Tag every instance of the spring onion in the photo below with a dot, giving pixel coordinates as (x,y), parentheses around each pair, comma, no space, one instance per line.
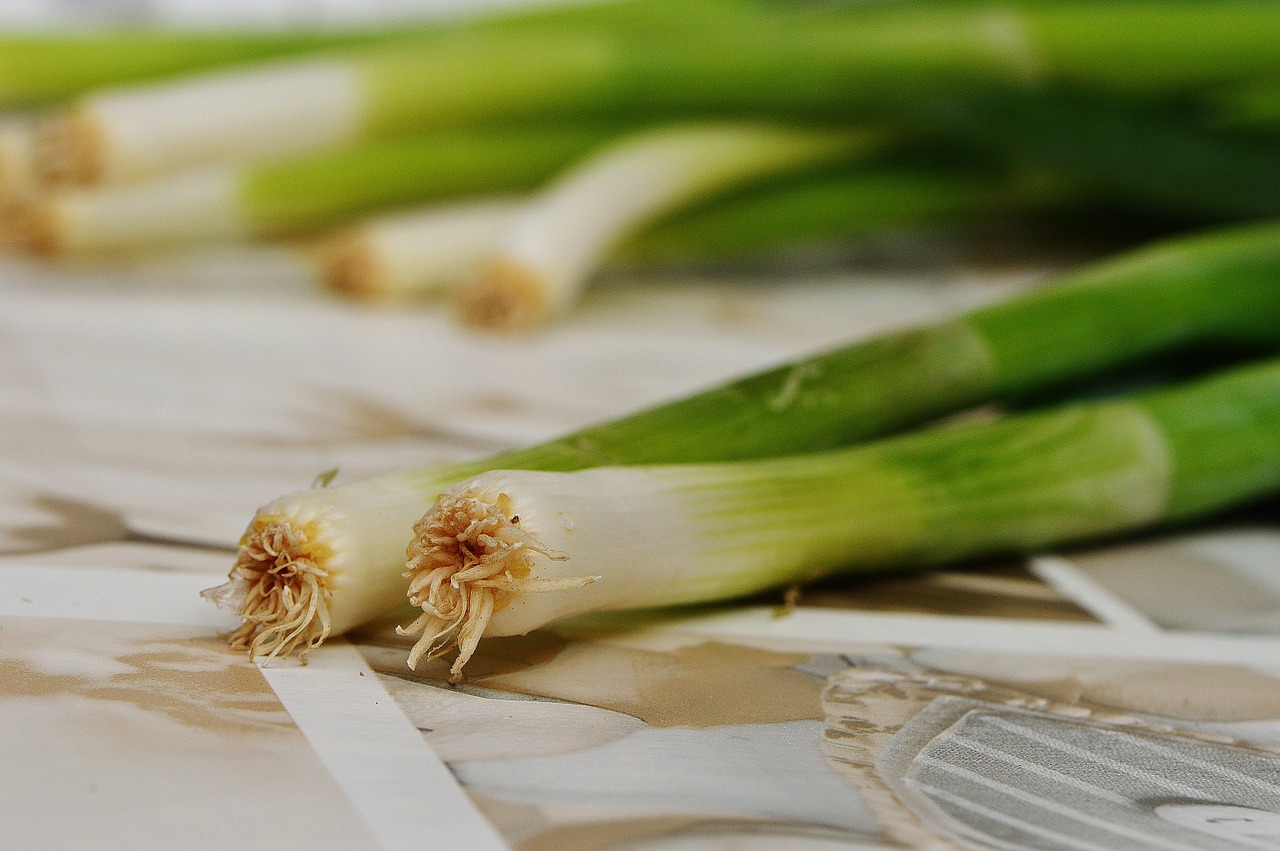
(322,561)
(564,233)
(520,64)
(839,207)
(509,551)
(747,59)
(433,250)
(295,196)
(1137,159)
(1254,107)
(423,251)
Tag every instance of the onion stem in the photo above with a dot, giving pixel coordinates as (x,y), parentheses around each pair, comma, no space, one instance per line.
(44,67)
(509,551)
(295,196)
(533,64)
(1125,156)
(750,59)
(324,561)
(425,251)
(434,250)
(564,233)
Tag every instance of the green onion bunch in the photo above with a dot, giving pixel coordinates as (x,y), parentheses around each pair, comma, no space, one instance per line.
(501,164)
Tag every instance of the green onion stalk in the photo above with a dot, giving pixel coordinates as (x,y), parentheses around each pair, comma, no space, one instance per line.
(509,551)
(757,59)
(1165,162)
(1253,107)
(560,237)
(45,67)
(323,561)
(522,65)
(295,196)
(432,250)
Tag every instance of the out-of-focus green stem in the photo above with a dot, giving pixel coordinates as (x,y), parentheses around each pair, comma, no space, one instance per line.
(837,208)
(300,195)
(1143,159)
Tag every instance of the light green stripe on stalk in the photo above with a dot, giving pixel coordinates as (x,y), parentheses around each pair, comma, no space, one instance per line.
(301,195)
(1130,45)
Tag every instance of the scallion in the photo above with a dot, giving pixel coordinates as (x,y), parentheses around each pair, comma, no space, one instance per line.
(433,250)
(428,250)
(44,67)
(512,550)
(531,64)
(295,196)
(1124,156)
(320,562)
(749,59)
(561,236)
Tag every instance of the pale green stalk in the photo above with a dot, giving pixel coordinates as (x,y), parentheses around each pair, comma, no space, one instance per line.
(320,562)
(839,207)
(433,250)
(509,551)
(523,63)
(748,58)
(424,251)
(1122,155)
(1252,106)
(562,235)
(295,196)
(44,67)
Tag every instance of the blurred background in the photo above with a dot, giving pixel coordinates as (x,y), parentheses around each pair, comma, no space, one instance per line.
(244,242)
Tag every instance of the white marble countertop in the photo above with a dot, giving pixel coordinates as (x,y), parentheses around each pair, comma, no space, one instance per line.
(146,412)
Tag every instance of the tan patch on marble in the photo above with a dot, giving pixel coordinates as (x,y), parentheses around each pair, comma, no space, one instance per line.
(604,835)
(996,591)
(496,404)
(1182,691)
(1218,693)
(707,685)
(513,820)
(704,685)
(494,657)
(196,682)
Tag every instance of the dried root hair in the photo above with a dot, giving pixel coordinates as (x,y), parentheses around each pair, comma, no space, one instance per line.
(279,588)
(468,558)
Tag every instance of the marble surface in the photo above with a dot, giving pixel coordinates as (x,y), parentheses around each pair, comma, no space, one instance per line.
(145,412)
